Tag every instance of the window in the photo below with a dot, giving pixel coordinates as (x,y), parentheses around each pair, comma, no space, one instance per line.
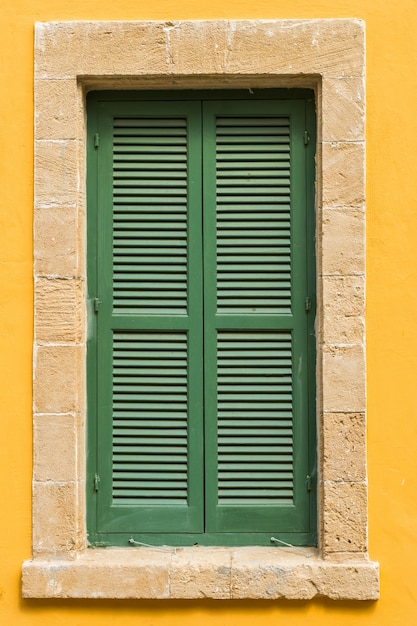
(71,59)
(201,364)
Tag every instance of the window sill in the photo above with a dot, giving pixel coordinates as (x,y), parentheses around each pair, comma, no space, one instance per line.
(200,572)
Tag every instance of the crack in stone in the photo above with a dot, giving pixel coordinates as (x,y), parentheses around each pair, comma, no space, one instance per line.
(169,26)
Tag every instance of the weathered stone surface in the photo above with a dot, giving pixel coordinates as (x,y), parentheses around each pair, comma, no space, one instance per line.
(287,47)
(290,47)
(57,109)
(343,174)
(343,387)
(57,384)
(56,180)
(116,573)
(343,318)
(343,241)
(344,447)
(56,233)
(59,309)
(54,517)
(66,49)
(200,573)
(189,46)
(257,573)
(55,448)
(343,100)
(345,529)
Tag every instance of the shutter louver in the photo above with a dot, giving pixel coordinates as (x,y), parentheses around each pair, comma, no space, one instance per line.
(253,215)
(150,418)
(255,451)
(150,215)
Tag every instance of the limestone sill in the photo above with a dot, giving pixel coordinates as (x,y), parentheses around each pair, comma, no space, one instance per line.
(201,572)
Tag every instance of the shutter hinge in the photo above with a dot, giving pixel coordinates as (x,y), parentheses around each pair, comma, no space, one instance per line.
(307,303)
(96,140)
(309,483)
(97,303)
(306,137)
(96,482)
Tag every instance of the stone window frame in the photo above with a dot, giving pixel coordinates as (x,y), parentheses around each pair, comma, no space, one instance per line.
(72,58)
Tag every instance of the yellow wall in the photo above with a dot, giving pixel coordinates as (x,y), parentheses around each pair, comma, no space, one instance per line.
(391,312)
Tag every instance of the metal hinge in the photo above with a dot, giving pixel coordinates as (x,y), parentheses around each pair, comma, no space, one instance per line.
(309,483)
(96,482)
(307,303)
(97,303)
(306,137)
(96,140)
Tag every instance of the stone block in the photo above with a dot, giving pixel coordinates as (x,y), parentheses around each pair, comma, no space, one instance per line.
(56,234)
(55,456)
(349,581)
(345,527)
(343,241)
(343,106)
(343,387)
(57,109)
(36,581)
(291,47)
(58,310)
(54,517)
(344,447)
(57,385)
(343,174)
(70,49)
(343,318)
(56,177)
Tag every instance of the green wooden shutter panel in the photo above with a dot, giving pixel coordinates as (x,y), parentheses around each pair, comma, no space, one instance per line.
(150,339)
(201,352)
(253,325)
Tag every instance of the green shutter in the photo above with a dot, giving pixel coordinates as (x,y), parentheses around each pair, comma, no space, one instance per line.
(149,319)
(201,347)
(255,319)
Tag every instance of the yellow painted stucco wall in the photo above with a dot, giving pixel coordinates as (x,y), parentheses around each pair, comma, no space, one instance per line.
(391,313)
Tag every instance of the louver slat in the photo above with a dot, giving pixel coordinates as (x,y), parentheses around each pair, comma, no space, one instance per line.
(253,214)
(149,215)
